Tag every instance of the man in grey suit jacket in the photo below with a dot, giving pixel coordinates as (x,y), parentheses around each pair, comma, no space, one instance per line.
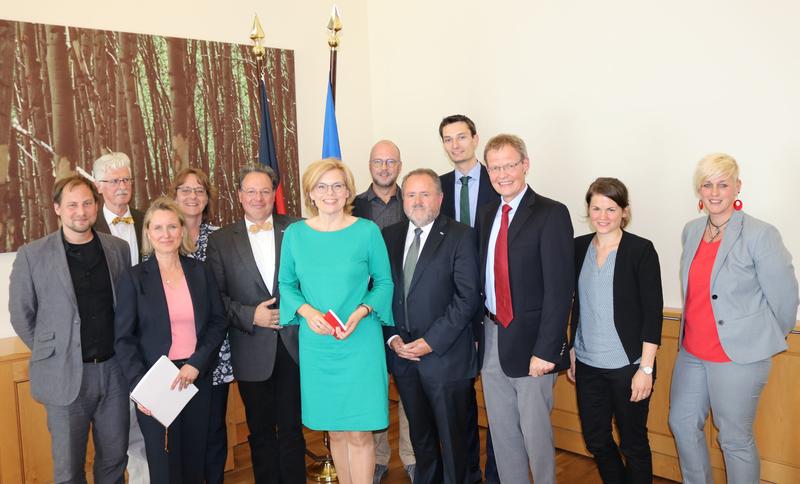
(245,258)
(62,306)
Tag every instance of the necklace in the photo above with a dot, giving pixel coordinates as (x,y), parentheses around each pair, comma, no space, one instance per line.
(717,228)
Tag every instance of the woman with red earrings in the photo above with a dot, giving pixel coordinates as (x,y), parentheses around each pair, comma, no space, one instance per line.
(740,299)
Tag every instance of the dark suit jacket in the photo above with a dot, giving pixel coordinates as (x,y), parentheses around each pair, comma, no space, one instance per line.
(44,313)
(541,272)
(138,219)
(486,192)
(638,300)
(442,300)
(242,288)
(142,325)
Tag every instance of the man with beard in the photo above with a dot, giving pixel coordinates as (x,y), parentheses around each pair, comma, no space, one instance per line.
(112,177)
(434,262)
(61,302)
(382,203)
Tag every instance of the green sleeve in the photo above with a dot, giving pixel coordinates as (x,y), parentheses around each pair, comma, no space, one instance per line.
(379,298)
(288,284)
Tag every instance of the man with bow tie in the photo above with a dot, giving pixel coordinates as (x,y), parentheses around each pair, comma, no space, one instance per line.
(112,177)
(245,257)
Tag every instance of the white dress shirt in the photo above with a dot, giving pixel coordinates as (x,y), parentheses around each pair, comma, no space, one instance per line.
(124,231)
(263,245)
(473,185)
(491,301)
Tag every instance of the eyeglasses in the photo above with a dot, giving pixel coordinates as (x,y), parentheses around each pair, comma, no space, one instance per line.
(253,193)
(322,188)
(186,191)
(116,181)
(500,168)
(390,163)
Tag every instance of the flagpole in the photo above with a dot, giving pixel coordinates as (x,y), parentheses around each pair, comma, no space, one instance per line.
(334,26)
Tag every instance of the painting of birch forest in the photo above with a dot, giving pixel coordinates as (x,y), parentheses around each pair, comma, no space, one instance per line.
(69,95)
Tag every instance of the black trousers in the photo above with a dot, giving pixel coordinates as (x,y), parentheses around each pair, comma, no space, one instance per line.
(438,420)
(603,394)
(186,440)
(272,408)
(217,445)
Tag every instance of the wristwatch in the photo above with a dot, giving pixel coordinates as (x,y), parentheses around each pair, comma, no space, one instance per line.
(647,370)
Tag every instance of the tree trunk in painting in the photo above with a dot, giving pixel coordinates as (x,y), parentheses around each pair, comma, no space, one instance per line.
(138,142)
(64,136)
(7,35)
(179,98)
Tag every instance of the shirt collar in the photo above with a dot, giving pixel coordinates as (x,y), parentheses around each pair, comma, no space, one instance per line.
(110,216)
(514,203)
(371,195)
(248,223)
(425,228)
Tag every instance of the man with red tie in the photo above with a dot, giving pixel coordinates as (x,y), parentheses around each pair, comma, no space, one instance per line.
(526,267)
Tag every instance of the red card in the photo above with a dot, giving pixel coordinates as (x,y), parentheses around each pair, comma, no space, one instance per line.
(334,322)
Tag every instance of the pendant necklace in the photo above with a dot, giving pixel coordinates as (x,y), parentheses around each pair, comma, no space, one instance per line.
(717,228)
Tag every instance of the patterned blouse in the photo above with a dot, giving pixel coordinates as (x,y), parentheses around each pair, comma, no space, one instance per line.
(223,372)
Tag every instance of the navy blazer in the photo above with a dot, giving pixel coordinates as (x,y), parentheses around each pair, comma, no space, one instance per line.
(443,298)
(541,271)
(638,299)
(142,327)
(486,192)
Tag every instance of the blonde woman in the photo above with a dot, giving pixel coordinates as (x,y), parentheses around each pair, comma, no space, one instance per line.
(326,264)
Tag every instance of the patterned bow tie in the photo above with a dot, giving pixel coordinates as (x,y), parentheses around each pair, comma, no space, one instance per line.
(125,220)
(256,228)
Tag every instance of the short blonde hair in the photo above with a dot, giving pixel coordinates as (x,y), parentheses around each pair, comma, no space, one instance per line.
(502,140)
(167,204)
(715,165)
(315,171)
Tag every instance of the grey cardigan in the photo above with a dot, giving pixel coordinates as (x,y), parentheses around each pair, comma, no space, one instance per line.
(754,292)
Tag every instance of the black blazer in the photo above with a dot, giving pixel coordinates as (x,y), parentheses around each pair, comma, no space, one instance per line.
(638,300)
(443,298)
(486,192)
(141,323)
(541,271)
(101,225)
(242,288)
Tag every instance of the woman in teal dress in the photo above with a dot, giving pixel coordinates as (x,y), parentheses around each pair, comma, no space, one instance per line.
(326,263)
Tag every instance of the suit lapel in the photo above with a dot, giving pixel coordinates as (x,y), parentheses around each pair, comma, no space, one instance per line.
(279,227)
(524,211)
(435,237)
(729,238)
(60,265)
(691,245)
(100,223)
(241,241)
(157,299)
(397,244)
(114,265)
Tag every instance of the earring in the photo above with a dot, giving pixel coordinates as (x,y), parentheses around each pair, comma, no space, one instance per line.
(737,204)
(700,206)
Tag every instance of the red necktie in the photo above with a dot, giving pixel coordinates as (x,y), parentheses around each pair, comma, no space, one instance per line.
(502,284)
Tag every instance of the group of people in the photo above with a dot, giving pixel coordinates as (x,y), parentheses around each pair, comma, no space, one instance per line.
(435,279)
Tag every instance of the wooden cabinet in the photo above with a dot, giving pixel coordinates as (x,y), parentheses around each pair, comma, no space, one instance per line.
(25,441)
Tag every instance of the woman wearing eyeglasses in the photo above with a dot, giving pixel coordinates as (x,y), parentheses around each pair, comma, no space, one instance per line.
(194,195)
(326,264)
(739,304)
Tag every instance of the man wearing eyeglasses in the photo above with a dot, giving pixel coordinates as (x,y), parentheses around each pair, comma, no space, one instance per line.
(112,177)
(382,203)
(245,257)
(526,254)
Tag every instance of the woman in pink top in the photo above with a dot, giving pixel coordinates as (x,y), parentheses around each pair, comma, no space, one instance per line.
(170,305)
(740,302)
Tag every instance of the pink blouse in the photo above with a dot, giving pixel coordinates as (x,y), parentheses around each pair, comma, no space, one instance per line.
(181,321)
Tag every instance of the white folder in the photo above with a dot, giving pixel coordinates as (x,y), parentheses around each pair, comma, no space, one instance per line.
(153,393)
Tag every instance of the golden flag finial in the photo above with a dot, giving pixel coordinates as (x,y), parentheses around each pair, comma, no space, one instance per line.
(334,26)
(257,36)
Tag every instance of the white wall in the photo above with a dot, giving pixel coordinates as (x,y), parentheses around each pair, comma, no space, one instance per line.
(635,89)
